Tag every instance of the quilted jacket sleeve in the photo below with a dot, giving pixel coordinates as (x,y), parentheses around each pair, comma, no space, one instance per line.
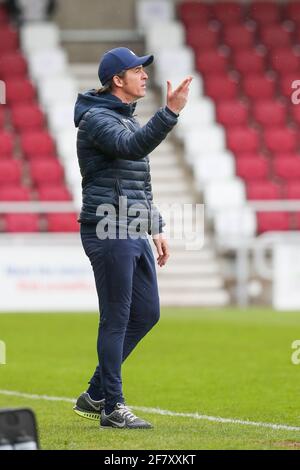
(157,222)
(114,139)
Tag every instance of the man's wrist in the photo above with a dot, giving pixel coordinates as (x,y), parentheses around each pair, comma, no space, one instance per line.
(171,111)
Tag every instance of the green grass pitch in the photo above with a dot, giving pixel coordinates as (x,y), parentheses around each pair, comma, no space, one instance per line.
(225,363)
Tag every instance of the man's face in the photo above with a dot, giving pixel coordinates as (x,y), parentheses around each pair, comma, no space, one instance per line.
(134,83)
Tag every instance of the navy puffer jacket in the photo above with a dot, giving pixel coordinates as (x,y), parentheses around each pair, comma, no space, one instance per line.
(113,151)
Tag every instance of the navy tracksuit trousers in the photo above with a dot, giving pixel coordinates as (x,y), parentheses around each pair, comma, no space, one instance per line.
(126,283)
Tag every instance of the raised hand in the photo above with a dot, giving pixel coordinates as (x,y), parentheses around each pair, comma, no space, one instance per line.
(177,99)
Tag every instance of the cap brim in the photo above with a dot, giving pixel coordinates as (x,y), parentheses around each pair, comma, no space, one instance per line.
(144,60)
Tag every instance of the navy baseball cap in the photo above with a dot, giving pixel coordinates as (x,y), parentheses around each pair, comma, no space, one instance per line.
(119,59)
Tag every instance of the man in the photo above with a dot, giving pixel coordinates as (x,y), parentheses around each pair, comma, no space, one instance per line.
(113,157)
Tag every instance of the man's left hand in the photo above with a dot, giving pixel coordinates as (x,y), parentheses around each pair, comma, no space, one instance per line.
(162,248)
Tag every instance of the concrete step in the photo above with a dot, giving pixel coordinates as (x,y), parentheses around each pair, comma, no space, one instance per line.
(174,173)
(218,298)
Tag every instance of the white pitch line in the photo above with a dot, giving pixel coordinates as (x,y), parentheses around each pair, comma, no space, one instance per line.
(158,411)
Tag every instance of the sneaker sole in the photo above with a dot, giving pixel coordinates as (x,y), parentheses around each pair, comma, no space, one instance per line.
(116,427)
(87,414)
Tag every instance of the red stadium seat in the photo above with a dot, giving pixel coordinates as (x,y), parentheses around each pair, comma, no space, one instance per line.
(281,139)
(9,40)
(2,118)
(296,220)
(292,11)
(270,113)
(193,12)
(264,12)
(202,37)
(14,193)
(12,65)
(292,190)
(258,86)
(287,168)
(65,222)
(286,85)
(27,117)
(285,60)
(21,222)
(3,16)
(275,35)
(227,12)
(221,87)
(232,113)
(243,139)
(295,113)
(249,61)
(46,172)
(239,36)
(6,144)
(273,221)
(252,168)
(10,172)
(54,193)
(19,91)
(37,143)
(263,190)
(212,61)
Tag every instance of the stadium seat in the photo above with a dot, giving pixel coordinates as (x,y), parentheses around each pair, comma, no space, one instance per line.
(296,220)
(285,60)
(273,221)
(179,60)
(197,113)
(213,167)
(224,195)
(295,114)
(60,117)
(38,36)
(21,222)
(193,12)
(10,172)
(206,140)
(221,87)
(54,193)
(270,113)
(248,61)
(27,117)
(47,63)
(227,12)
(211,62)
(3,16)
(169,34)
(9,40)
(252,168)
(202,36)
(275,35)
(62,89)
(19,90)
(286,84)
(292,11)
(6,144)
(232,113)
(37,143)
(46,172)
(263,190)
(281,139)
(14,193)
(64,222)
(150,11)
(264,12)
(287,168)
(12,65)
(239,36)
(257,86)
(233,224)
(243,139)
(292,190)
(2,118)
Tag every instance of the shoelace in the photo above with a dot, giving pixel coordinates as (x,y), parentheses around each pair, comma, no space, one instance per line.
(126,413)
